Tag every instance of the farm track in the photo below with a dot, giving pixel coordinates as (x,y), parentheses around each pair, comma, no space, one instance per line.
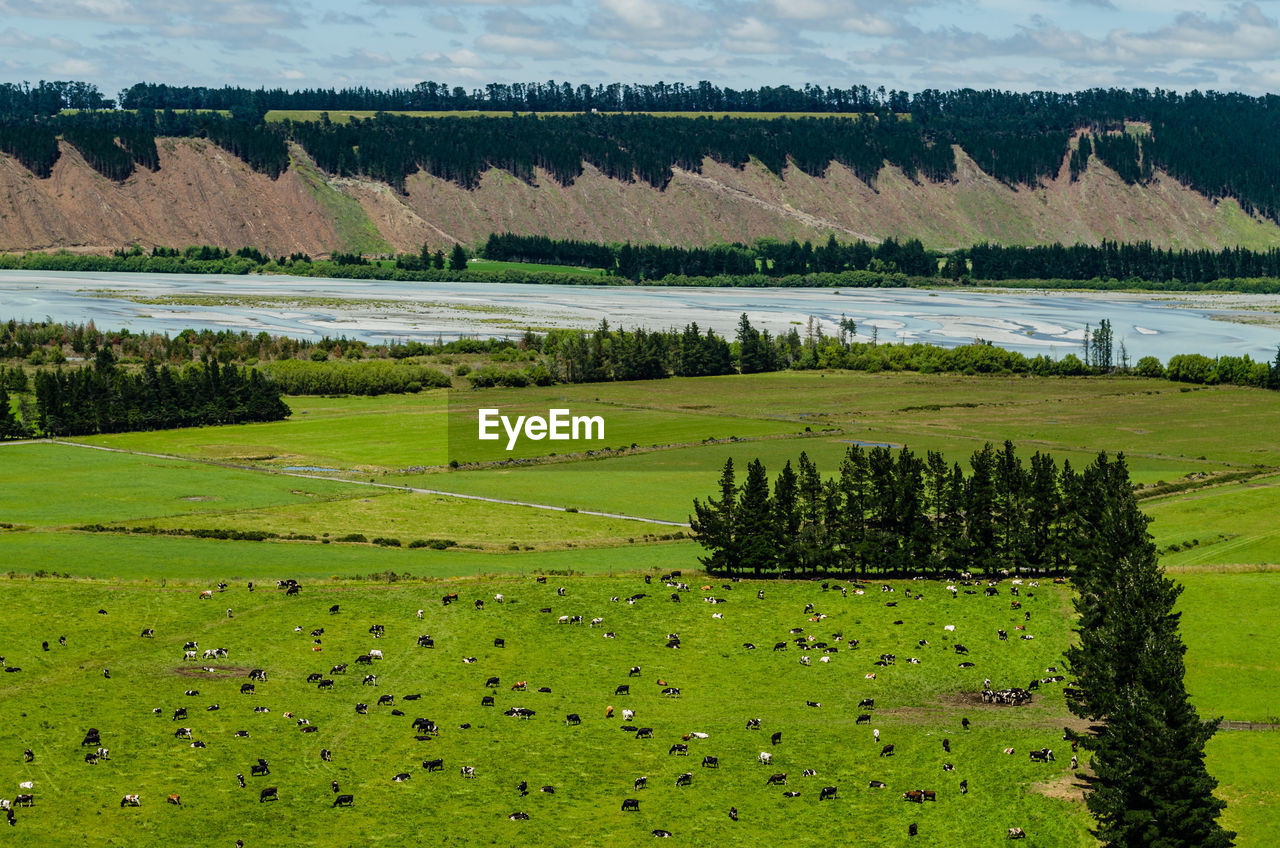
(371,484)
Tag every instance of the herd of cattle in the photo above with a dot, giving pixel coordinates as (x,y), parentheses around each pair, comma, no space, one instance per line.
(803,639)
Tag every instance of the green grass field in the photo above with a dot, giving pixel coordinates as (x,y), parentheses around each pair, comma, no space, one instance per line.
(1225,554)
(58,694)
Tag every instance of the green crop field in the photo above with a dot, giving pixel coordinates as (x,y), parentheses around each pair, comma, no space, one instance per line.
(58,694)
(1217,538)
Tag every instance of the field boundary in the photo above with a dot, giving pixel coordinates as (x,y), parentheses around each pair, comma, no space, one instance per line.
(1249,725)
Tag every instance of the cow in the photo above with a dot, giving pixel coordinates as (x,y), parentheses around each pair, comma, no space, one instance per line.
(433,765)
(401,777)
(628,715)
(710,762)
(827,792)
(914,795)
(176,800)
(246,688)
(147,633)
(367,659)
(779,779)
(369,680)
(375,654)
(182,733)
(780,646)
(631,804)
(241,734)
(809,773)
(126,801)
(640,783)
(188,655)
(929,795)
(1044,755)
(449,598)
(678,748)
(271,793)
(1016,833)
(753,724)
(362,709)
(671,692)
(327,683)
(876,784)
(660,833)
(912,829)
(260,769)
(572,718)
(964,787)
(946,745)
(314,676)
(486,700)
(622,689)
(518,816)
(886,751)
(425,641)
(91,758)
(308,728)
(468,772)
(685,779)
(864,718)
(868,703)
(775,738)
(765,758)
(644,733)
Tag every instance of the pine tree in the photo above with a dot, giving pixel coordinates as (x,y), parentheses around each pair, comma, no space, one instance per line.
(458,258)
(10,428)
(754,529)
(1150,787)
(714,524)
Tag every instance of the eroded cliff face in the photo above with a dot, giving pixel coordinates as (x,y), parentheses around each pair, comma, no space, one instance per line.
(203,195)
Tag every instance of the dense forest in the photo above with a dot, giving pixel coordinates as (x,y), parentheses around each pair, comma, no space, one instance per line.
(894,513)
(103,398)
(1220,144)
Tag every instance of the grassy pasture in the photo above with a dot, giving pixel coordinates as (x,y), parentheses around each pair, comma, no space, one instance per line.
(112,556)
(1230,625)
(58,694)
(408,516)
(1245,766)
(497,265)
(48,485)
(1229,522)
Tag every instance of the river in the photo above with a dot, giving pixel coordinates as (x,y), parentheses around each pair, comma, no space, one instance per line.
(376,311)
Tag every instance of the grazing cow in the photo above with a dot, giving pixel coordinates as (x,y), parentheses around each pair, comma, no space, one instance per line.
(314,676)
(520,686)
(912,829)
(964,722)
(518,816)
(468,772)
(790,794)
(780,646)
(660,833)
(966,665)
(369,680)
(827,792)
(678,748)
(206,594)
(671,691)
(186,655)
(362,709)
(644,733)
(91,758)
(269,794)
(869,703)
(572,718)
(241,734)
(864,718)
(486,700)
(192,692)
(433,765)
(809,773)
(914,795)
(948,767)
(148,633)
(1016,833)
(197,744)
(685,779)
(1044,755)
(246,688)
(628,715)
(176,800)
(1008,750)
(401,777)
(375,654)
(386,700)
(28,756)
(775,738)
(623,689)
(260,769)
(812,704)
(367,659)
(876,784)
(929,795)
(753,724)
(182,733)
(710,762)
(425,641)
(126,801)
(964,787)
(779,779)
(631,804)
(886,751)
(946,745)
(765,758)
(327,683)
(308,729)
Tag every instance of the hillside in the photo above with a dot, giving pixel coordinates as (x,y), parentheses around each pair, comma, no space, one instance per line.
(202,194)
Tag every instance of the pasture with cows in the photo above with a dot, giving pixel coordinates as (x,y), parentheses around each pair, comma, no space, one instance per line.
(141,537)
(808,691)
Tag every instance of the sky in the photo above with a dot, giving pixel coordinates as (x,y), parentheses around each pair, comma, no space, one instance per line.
(1060,45)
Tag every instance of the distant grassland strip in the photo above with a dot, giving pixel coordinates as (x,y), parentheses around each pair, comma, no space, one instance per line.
(356,233)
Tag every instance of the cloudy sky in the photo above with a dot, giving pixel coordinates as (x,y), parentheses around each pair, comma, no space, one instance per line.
(906,44)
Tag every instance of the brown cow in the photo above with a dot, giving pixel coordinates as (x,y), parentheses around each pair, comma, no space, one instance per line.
(176,800)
